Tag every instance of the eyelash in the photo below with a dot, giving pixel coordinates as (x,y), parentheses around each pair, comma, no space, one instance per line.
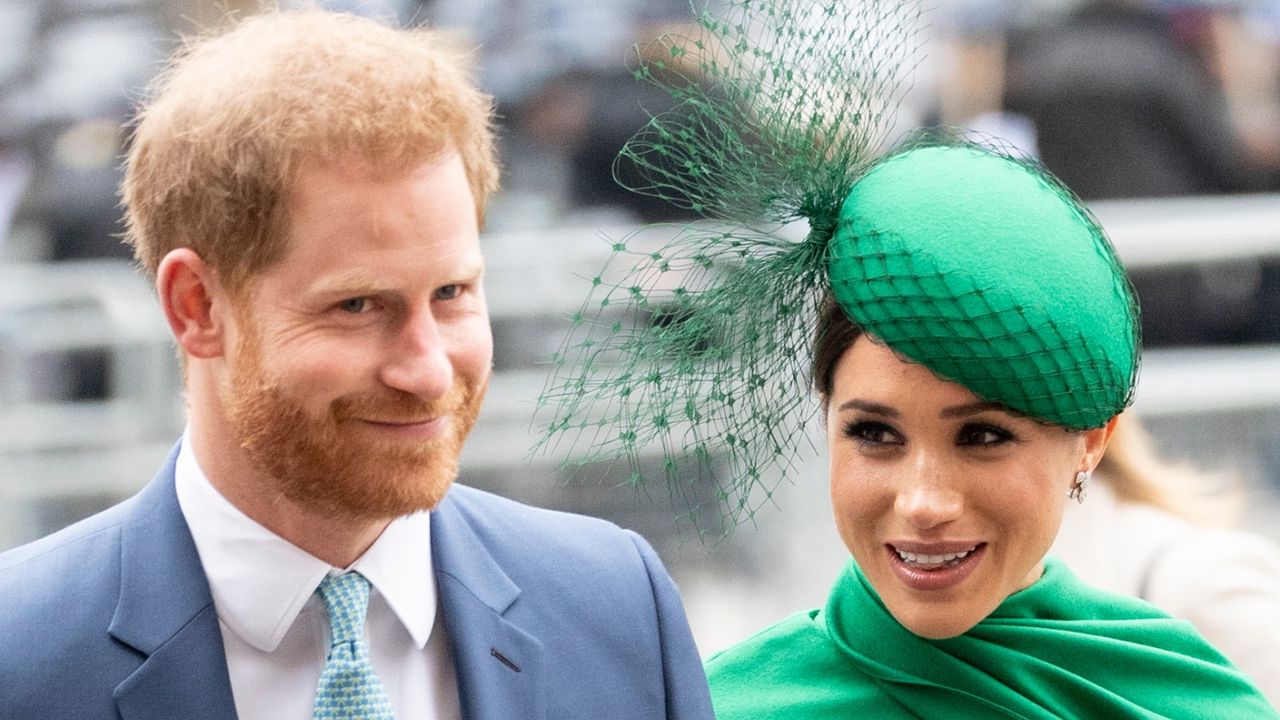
(448,292)
(862,432)
(458,289)
(871,434)
(1000,435)
(344,305)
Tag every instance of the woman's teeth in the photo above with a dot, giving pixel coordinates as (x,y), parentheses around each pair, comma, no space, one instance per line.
(944,559)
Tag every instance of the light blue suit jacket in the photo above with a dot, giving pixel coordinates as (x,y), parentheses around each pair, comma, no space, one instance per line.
(551,616)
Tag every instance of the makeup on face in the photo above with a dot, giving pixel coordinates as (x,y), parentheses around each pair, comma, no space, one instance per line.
(948,502)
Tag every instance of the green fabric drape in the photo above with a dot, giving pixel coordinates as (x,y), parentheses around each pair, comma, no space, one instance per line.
(1058,649)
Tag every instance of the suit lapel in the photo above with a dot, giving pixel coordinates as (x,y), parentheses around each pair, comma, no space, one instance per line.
(500,666)
(166,613)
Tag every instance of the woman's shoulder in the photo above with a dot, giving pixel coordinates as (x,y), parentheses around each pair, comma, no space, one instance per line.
(799,632)
(792,670)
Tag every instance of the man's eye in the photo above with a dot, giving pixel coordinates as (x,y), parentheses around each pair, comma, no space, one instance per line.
(354,305)
(448,292)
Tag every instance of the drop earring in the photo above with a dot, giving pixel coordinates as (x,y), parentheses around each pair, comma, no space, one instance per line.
(1080,487)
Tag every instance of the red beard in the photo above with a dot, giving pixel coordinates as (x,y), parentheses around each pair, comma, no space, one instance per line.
(334,468)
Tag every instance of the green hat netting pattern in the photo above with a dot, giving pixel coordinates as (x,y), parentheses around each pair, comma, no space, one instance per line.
(989,273)
(696,349)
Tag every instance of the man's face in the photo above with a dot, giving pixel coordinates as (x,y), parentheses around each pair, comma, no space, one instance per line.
(362,357)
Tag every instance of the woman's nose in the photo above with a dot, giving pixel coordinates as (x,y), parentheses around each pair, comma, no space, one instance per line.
(929,501)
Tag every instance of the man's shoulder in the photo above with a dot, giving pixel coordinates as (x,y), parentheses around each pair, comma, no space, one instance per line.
(540,543)
(60,590)
(494,513)
(78,546)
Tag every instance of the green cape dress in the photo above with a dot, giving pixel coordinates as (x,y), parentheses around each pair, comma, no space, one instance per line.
(1057,649)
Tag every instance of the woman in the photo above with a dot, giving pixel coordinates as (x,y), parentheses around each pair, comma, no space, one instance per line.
(949,498)
(979,339)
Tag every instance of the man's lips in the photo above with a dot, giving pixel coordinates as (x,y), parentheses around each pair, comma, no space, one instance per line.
(410,427)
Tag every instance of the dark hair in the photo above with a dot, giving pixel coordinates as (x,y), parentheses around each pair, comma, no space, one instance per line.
(835,335)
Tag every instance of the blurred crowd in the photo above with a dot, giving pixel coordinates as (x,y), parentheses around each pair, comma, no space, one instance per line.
(1121,98)
(1125,98)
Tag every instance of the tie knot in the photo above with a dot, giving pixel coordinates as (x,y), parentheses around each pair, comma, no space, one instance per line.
(346,599)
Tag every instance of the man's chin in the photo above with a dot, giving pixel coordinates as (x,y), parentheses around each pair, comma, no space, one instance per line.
(379,484)
(369,503)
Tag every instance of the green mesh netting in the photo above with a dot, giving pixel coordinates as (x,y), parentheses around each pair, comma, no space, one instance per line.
(697,349)
(987,271)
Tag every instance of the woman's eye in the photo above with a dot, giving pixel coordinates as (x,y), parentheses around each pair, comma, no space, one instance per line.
(872,433)
(448,292)
(354,305)
(983,435)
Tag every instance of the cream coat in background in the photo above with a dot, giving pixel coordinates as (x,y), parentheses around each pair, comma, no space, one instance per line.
(1226,582)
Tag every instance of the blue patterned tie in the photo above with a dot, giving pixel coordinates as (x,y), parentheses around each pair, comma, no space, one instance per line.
(348,689)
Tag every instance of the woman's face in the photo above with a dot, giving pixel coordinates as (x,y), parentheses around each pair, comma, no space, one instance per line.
(948,503)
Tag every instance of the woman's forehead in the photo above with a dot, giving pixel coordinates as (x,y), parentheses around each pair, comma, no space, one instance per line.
(873,369)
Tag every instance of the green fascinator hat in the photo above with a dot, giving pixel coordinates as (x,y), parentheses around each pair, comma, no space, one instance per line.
(690,358)
(991,274)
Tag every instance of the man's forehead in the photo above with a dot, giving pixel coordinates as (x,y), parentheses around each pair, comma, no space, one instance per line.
(370,164)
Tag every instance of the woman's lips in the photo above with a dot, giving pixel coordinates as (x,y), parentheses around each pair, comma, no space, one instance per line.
(934,566)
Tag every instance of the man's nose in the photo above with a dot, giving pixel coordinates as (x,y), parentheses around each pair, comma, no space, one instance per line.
(929,500)
(417,361)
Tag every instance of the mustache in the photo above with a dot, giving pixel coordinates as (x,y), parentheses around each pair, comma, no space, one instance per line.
(396,406)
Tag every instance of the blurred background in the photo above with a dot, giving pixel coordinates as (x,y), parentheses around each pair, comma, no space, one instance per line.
(1163,114)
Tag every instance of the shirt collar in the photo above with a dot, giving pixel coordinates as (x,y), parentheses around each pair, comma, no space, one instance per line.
(260,581)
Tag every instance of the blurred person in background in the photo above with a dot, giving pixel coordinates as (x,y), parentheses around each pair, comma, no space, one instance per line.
(1125,98)
(306,192)
(1121,109)
(566,98)
(15,168)
(72,71)
(1160,531)
(69,72)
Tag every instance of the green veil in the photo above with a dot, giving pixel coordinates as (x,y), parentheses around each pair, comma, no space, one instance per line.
(967,259)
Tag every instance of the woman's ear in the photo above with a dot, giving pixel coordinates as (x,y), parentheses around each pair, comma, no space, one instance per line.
(191,298)
(1095,444)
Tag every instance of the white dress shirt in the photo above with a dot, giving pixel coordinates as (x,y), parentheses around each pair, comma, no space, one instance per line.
(275,629)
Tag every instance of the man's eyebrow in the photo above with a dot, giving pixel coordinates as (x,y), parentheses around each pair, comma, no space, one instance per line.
(365,283)
(972,408)
(472,271)
(355,282)
(868,406)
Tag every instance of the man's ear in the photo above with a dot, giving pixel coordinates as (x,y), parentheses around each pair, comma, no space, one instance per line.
(1095,444)
(193,302)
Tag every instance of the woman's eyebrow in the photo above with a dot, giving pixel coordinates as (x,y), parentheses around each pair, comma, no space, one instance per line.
(972,408)
(868,406)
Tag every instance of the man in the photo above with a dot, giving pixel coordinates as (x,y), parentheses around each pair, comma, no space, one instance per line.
(306,191)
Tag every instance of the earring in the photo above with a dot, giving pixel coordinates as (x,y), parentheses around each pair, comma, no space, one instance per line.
(1080,487)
